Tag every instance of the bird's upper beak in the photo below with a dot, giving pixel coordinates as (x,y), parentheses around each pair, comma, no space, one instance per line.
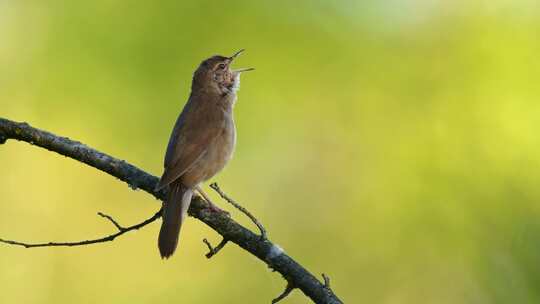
(236,55)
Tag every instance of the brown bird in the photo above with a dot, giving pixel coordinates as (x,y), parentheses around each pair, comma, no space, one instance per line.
(201,143)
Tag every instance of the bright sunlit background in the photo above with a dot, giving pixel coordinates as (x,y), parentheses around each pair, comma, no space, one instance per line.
(393,145)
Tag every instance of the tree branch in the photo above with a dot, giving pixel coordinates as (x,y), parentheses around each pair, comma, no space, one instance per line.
(229,229)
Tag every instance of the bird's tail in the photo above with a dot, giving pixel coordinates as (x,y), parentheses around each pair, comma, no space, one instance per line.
(175,208)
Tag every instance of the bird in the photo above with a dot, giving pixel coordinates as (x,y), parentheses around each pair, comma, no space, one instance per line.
(201,144)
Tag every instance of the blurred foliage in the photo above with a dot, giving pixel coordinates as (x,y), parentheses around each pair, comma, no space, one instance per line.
(390,144)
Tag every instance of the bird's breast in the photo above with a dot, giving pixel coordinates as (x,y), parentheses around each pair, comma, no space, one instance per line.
(221,150)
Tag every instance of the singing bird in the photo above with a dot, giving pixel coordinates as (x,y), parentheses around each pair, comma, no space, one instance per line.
(201,143)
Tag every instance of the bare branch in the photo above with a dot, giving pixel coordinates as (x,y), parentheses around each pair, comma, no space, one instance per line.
(228,228)
(214,250)
(108,238)
(242,209)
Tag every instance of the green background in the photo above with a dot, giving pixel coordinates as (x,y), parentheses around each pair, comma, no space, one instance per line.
(390,144)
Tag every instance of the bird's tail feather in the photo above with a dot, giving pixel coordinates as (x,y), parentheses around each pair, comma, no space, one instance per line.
(175,208)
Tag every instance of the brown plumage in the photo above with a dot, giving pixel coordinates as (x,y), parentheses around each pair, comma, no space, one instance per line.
(201,143)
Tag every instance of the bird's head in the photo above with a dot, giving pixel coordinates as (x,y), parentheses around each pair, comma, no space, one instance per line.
(214,75)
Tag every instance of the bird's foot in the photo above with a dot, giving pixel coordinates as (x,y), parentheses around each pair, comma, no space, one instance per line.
(212,207)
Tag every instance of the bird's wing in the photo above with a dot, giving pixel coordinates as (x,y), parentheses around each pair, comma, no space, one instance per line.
(188,143)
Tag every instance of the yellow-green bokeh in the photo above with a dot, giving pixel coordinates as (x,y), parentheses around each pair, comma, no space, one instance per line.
(393,145)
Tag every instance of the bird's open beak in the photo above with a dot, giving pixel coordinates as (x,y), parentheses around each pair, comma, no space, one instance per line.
(240,70)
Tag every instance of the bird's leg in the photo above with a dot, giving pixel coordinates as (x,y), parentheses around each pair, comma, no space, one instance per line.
(213,206)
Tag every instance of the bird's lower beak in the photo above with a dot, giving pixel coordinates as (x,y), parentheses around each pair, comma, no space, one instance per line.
(243,70)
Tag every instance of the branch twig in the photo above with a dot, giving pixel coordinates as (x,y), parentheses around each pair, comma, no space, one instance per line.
(242,209)
(113,221)
(265,250)
(108,238)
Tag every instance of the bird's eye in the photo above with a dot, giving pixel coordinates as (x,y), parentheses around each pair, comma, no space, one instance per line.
(221,66)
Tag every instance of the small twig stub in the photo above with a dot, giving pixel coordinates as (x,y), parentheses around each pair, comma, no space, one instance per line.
(326,281)
(214,250)
(288,289)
